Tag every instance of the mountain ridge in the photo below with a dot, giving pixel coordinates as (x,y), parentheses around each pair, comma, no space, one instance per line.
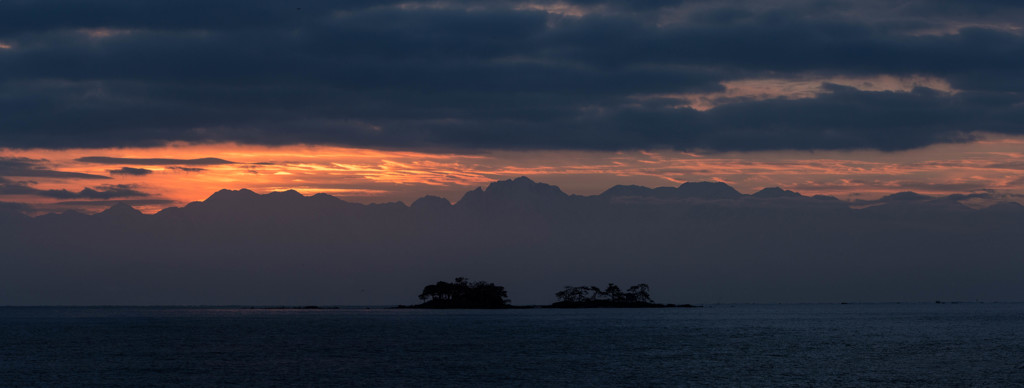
(241,247)
(523,194)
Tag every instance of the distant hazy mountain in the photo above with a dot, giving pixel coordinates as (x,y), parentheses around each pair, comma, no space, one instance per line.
(775,192)
(697,190)
(700,242)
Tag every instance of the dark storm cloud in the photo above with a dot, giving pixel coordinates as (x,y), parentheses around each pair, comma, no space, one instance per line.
(105,203)
(152,161)
(102,192)
(130,171)
(501,74)
(8,187)
(25,167)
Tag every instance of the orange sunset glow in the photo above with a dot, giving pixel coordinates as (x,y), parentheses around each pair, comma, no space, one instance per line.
(366,175)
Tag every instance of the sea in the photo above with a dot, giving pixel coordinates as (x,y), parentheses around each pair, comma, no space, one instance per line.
(787,345)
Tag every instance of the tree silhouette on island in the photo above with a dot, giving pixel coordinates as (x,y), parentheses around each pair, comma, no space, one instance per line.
(462,294)
(612,296)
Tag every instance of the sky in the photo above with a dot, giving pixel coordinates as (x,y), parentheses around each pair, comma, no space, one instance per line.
(161,103)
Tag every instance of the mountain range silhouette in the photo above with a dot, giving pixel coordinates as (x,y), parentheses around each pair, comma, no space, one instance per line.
(514,194)
(700,242)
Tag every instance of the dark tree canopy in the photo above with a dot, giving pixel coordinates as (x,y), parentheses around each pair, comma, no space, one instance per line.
(611,296)
(463,294)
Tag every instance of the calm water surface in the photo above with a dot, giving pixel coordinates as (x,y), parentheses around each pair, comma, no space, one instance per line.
(722,345)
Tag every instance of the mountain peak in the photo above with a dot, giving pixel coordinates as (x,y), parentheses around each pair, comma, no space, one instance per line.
(776,192)
(523,180)
(120,209)
(521,191)
(225,195)
(627,191)
(524,186)
(905,196)
(325,198)
(707,190)
(287,194)
(431,202)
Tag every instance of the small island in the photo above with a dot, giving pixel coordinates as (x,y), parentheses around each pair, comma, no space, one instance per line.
(463,294)
(612,296)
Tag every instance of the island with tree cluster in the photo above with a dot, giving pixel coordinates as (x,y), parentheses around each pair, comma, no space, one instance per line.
(463,294)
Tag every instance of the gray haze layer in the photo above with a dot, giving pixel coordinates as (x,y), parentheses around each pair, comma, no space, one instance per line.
(696,243)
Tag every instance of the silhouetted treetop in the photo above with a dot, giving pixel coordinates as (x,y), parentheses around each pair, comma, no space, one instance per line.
(463,294)
(612,296)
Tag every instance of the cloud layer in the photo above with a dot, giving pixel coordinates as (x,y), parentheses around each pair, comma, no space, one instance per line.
(100,192)
(152,161)
(508,74)
(27,167)
(377,176)
(130,171)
